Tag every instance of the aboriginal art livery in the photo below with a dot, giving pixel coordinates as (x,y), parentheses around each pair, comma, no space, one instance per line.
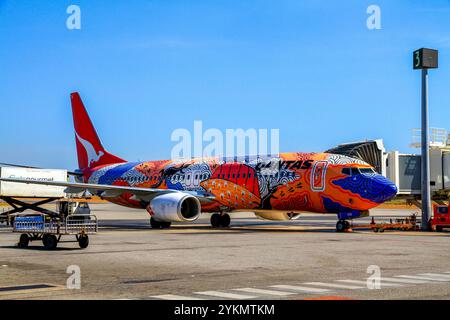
(317,182)
(275,187)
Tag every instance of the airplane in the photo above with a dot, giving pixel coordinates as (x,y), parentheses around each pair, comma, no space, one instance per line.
(274,187)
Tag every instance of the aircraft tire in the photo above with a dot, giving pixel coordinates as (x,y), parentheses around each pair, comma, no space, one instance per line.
(215,220)
(155,224)
(224,220)
(165,225)
(341,226)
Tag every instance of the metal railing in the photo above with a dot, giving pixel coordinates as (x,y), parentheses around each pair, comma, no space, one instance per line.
(75,224)
(81,223)
(438,137)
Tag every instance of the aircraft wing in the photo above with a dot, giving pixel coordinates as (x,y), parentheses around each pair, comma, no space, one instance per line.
(110,191)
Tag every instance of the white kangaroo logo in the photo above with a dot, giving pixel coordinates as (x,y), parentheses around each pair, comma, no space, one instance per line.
(93,156)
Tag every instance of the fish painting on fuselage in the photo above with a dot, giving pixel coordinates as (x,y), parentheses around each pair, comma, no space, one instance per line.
(274,187)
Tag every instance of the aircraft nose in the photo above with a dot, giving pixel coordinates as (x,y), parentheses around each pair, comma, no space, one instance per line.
(373,187)
(386,188)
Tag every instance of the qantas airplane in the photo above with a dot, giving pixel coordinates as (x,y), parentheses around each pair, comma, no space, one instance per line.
(273,187)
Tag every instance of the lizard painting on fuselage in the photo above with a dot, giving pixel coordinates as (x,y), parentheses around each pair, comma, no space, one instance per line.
(318,182)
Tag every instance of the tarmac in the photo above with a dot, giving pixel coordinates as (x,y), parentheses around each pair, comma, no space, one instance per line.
(253,259)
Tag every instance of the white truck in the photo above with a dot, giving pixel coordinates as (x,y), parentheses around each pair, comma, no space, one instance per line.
(70,218)
(21,196)
(21,190)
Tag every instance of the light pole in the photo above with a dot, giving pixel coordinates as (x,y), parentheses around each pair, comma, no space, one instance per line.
(425,59)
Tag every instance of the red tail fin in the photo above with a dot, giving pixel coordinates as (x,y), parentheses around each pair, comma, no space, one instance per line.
(89,148)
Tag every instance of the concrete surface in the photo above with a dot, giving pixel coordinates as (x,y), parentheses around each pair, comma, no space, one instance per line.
(251,259)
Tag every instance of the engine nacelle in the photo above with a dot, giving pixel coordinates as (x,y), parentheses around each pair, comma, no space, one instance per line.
(175,207)
(277,215)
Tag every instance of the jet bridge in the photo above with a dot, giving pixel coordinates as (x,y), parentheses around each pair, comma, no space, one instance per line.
(370,151)
(405,169)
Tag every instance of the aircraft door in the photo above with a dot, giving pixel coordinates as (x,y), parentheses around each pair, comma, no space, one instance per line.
(318,174)
(196,178)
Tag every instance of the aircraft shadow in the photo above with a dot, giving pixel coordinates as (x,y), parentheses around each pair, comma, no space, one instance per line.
(240,228)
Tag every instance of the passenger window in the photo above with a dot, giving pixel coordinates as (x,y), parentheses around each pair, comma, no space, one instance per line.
(249,175)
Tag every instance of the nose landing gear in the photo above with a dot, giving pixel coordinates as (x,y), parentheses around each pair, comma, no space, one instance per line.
(220,220)
(342,226)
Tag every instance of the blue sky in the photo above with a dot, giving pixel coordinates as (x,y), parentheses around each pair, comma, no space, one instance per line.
(145,68)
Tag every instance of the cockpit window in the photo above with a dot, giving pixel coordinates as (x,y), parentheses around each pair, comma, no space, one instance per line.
(366,170)
(356,171)
(346,171)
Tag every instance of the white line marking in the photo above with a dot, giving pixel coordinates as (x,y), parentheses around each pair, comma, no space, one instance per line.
(438,275)
(333,285)
(174,297)
(408,281)
(300,288)
(424,278)
(226,295)
(266,292)
(364,283)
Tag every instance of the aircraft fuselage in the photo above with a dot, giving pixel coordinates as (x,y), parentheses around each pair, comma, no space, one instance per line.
(291,182)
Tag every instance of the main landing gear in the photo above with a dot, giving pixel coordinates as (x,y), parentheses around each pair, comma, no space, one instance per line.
(342,226)
(155,224)
(220,220)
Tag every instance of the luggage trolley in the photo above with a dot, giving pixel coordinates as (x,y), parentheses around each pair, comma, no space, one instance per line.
(50,229)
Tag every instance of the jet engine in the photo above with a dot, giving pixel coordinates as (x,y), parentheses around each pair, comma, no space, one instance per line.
(277,215)
(175,207)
